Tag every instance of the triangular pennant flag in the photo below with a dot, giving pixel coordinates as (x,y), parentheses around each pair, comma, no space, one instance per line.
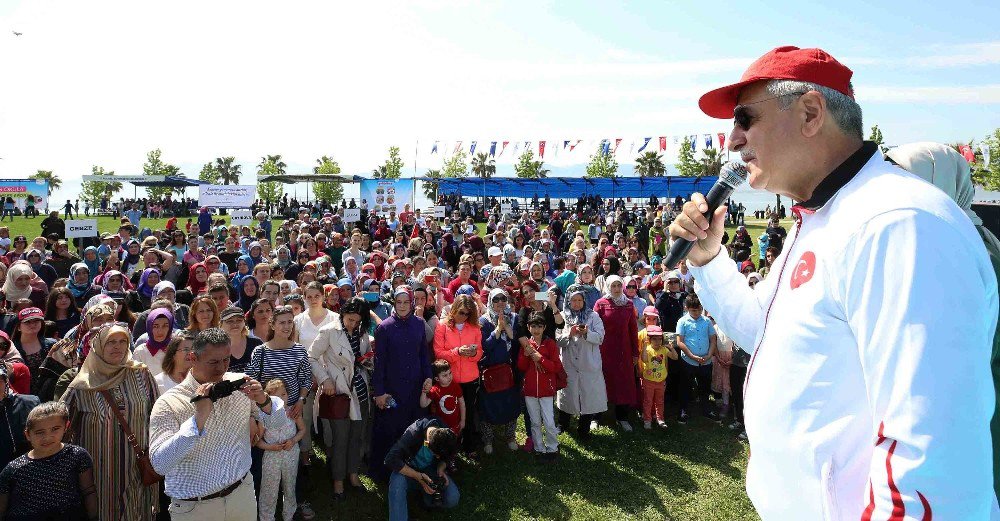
(722,140)
(618,141)
(502,149)
(574,145)
(663,143)
(458,146)
(566,144)
(434,149)
(517,147)
(493,148)
(708,141)
(694,142)
(645,142)
(472,149)
(607,146)
(541,149)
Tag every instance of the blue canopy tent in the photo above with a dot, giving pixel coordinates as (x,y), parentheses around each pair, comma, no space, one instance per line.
(573,187)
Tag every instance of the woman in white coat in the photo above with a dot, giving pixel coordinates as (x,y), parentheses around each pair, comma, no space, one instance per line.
(580,349)
(340,365)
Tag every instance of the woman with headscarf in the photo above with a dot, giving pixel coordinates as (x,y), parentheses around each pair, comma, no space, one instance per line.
(249,289)
(283,257)
(255,252)
(402,372)
(132,258)
(197,279)
(620,349)
(159,327)
(138,300)
(93,262)
(945,168)
(585,283)
(114,283)
(580,350)
(18,285)
(47,273)
(109,374)
(610,266)
(163,290)
(498,408)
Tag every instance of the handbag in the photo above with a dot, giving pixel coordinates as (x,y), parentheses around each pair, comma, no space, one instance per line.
(334,407)
(560,379)
(149,476)
(497,378)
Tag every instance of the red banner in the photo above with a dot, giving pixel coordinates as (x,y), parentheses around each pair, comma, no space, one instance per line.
(663,143)
(722,141)
(505,143)
(541,149)
(618,141)
(967,153)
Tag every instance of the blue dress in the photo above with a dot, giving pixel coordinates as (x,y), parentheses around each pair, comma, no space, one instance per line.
(402,363)
(500,407)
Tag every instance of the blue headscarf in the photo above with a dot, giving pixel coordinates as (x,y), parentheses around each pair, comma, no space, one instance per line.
(244,302)
(78,290)
(93,265)
(238,277)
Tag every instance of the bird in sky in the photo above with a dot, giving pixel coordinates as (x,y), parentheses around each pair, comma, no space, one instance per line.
(17,33)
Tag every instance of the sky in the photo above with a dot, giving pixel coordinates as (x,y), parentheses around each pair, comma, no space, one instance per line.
(103,83)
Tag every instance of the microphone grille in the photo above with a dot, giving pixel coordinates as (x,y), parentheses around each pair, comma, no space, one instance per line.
(733,174)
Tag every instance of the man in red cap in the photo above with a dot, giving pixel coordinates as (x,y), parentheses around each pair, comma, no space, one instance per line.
(869,394)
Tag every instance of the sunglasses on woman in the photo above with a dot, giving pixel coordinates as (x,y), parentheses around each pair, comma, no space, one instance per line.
(499,299)
(631,286)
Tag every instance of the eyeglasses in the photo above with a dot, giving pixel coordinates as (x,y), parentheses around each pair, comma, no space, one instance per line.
(499,299)
(631,286)
(673,282)
(744,119)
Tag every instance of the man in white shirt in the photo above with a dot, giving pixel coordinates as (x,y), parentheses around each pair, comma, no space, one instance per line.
(869,394)
(203,448)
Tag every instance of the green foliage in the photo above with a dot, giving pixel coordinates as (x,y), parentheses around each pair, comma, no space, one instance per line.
(229,171)
(527,167)
(601,164)
(988,175)
(711,162)
(209,174)
(455,166)
(687,165)
(650,164)
(430,188)
(393,167)
(483,167)
(156,166)
(270,165)
(47,175)
(94,191)
(876,136)
(330,192)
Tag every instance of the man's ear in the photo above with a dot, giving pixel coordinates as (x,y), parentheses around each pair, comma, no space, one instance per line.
(813,112)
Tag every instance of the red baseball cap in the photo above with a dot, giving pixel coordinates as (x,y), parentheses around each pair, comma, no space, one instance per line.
(782,63)
(27,314)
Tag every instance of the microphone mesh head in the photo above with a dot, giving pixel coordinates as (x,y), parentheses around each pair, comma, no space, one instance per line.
(733,174)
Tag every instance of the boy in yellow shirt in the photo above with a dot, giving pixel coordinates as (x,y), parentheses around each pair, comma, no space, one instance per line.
(653,356)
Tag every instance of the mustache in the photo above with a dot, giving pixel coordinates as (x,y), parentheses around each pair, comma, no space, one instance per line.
(747,153)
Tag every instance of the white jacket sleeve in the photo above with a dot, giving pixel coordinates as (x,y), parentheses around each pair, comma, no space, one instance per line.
(320,345)
(918,300)
(736,306)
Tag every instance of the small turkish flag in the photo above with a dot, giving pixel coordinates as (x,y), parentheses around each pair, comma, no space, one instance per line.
(804,269)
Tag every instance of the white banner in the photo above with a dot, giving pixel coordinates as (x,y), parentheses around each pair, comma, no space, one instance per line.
(81,228)
(506,209)
(352,215)
(226,196)
(240,218)
(439,212)
(125,178)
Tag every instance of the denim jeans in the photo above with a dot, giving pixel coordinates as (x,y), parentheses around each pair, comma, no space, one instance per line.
(399,487)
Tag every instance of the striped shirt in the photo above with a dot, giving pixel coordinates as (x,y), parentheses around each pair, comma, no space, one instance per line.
(291,365)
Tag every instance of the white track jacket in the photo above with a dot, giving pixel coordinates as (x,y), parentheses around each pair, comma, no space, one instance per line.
(869,394)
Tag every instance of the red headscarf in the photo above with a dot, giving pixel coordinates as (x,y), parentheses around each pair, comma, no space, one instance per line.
(192,282)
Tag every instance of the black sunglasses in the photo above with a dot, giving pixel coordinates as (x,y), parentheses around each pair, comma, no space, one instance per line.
(499,299)
(745,119)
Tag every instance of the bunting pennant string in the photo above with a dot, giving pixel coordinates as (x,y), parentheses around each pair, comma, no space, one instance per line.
(574,145)
(607,146)
(458,146)
(493,148)
(541,149)
(505,143)
(434,150)
(722,141)
(644,143)
(708,141)
(663,143)
(472,149)
(618,141)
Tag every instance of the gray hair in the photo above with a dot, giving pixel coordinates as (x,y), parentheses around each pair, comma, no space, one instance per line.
(845,111)
(212,336)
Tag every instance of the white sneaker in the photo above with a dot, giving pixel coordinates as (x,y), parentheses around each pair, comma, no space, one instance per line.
(512,445)
(626,426)
(488,449)
(647,425)
(594,425)
(662,424)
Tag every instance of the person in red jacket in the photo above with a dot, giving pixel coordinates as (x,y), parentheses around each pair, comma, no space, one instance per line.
(539,362)
(464,279)
(459,340)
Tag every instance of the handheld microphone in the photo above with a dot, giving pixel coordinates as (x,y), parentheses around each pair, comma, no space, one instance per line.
(731,176)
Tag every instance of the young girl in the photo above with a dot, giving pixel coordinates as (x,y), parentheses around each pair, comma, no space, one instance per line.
(51,479)
(539,362)
(281,458)
(653,355)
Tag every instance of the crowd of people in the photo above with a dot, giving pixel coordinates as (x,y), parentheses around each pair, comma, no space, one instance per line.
(399,346)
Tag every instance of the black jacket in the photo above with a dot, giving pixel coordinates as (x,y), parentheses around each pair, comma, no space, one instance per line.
(409,443)
(15,408)
(670,309)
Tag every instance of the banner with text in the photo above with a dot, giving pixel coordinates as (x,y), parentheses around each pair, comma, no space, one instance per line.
(21,189)
(226,196)
(240,218)
(81,228)
(383,195)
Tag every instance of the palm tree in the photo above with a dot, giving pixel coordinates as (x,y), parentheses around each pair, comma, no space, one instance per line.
(483,167)
(379,172)
(47,175)
(712,162)
(540,172)
(431,187)
(650,164)
(273,163)
(229,172)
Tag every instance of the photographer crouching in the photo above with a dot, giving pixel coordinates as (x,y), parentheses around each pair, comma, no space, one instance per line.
(200,435)
(418,461)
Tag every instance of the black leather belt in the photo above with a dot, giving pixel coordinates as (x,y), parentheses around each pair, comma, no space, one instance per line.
(222,493)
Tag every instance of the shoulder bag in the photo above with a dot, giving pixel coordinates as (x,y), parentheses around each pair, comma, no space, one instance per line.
(149,476)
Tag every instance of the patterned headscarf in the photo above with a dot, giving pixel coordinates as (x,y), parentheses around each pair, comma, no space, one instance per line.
(97,374)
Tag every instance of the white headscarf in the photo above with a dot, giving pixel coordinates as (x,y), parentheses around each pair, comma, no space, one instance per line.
(10,290)
(618,301)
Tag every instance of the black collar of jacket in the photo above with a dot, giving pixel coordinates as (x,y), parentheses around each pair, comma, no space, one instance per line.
(840,176)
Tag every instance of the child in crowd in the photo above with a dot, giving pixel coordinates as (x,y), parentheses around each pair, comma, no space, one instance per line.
(653,354)
(281,459)
(445,397)
(539,362)
(54,479)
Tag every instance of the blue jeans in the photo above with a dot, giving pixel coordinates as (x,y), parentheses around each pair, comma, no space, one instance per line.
(399,487)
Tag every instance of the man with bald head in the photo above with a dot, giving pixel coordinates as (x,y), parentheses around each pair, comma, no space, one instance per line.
(869,394)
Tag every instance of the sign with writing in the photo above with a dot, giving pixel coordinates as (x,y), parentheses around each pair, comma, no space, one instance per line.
(81,228)
(226,196)
(352,215)
(384,195)
(20,190)
(125,178)
(241,218)
(439,212)
(506,209)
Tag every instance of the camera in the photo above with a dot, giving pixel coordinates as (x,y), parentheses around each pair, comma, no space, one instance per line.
(222,389)
(438,485)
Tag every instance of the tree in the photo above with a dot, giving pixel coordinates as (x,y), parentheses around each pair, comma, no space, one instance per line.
(455,166)
(47,175)
(209,174)
(431,187)
(528,168)
(379,172)
(229,171)
(711,162)
(483,167)
(602,164)
(94,191)
(687,165)
(650,164)
(270,165)
(156,166)
(876,136)
(988,175)
(394,165)
(329,192)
